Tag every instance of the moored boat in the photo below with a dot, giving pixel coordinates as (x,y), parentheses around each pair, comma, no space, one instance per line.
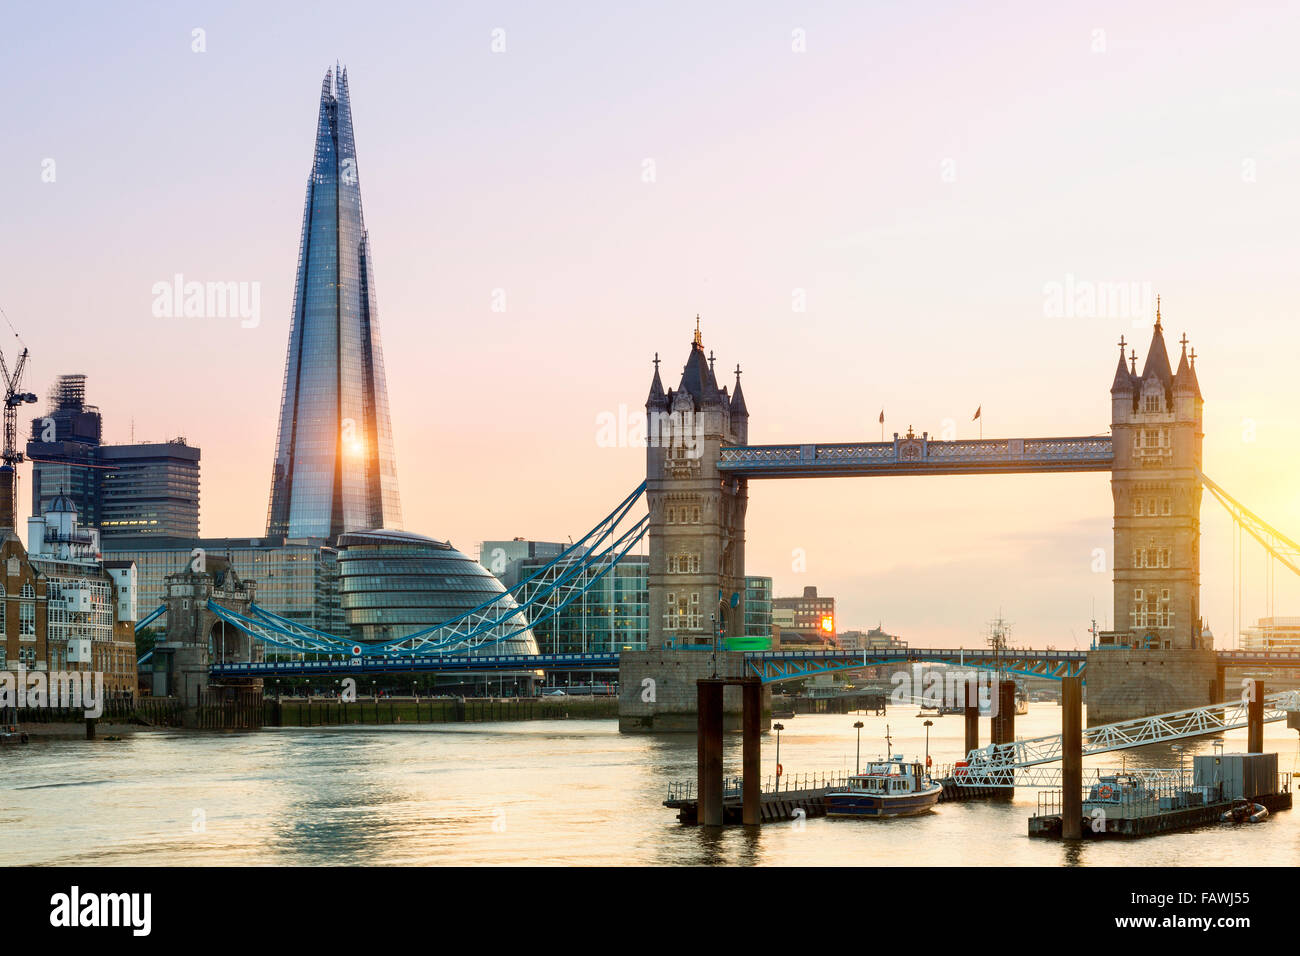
(1244,811)
(889,788)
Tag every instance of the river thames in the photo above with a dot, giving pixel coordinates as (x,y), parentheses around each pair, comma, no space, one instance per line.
(537,792)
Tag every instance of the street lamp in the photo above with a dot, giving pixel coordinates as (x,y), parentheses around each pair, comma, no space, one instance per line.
(928,724)
(857,759)
(778,728)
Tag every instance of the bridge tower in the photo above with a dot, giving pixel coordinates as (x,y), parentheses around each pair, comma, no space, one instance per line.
(1156,658)
(697,553)
(697,515)
(196,637)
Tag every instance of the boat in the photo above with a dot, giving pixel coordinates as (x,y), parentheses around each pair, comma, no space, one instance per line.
(890,787)
(11,735)
(1243,811)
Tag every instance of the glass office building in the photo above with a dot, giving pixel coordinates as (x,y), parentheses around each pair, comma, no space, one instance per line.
(612,614)
(758,608)
(297,580)
(334,468)
(148,492)
(394,583)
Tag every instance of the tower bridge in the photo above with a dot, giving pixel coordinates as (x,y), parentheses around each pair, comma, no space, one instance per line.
(699,464)
(698,467)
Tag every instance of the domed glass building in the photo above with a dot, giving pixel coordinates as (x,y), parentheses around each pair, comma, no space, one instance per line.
(394,583)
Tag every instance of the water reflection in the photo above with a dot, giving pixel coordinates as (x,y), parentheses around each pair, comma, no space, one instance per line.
(543,792)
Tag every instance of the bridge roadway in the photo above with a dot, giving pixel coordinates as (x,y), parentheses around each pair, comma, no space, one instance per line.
(769,666)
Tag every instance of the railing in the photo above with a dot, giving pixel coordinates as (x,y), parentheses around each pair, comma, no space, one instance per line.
(733,788)
(1165,794)
(999,763)
(1168,794)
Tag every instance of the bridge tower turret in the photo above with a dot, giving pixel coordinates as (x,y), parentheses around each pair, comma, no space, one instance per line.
(1156,657)
(1156,423)
(697,514)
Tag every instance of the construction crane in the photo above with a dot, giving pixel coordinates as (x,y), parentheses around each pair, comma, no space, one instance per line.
(13,398)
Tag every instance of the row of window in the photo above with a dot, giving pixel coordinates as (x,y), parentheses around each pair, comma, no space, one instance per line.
(684,515)
(682,611)
(1151,558)
(1152,615)
(1147,507)
(1147,441)
(684,563)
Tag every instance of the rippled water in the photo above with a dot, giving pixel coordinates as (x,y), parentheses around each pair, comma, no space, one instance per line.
(540,792)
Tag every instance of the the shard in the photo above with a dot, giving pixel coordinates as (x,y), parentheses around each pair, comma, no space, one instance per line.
(334,466)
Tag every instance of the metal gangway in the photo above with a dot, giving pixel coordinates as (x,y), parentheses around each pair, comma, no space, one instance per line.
(1016,764)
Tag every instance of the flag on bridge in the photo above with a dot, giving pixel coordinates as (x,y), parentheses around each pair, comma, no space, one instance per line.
(977,413)
(882,416)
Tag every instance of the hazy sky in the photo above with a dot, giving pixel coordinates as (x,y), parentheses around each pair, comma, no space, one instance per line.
(915,177)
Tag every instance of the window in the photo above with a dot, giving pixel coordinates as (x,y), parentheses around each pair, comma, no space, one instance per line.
(26,619)
(1165,506)
(1137,507)
(695,515)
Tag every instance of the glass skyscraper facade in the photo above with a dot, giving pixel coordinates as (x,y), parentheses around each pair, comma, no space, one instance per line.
(334,467)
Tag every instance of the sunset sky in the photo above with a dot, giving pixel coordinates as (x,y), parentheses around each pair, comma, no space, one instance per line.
(918,179)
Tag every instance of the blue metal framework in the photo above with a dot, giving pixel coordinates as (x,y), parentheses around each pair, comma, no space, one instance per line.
(579,567)
(920,455)
(152,616)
